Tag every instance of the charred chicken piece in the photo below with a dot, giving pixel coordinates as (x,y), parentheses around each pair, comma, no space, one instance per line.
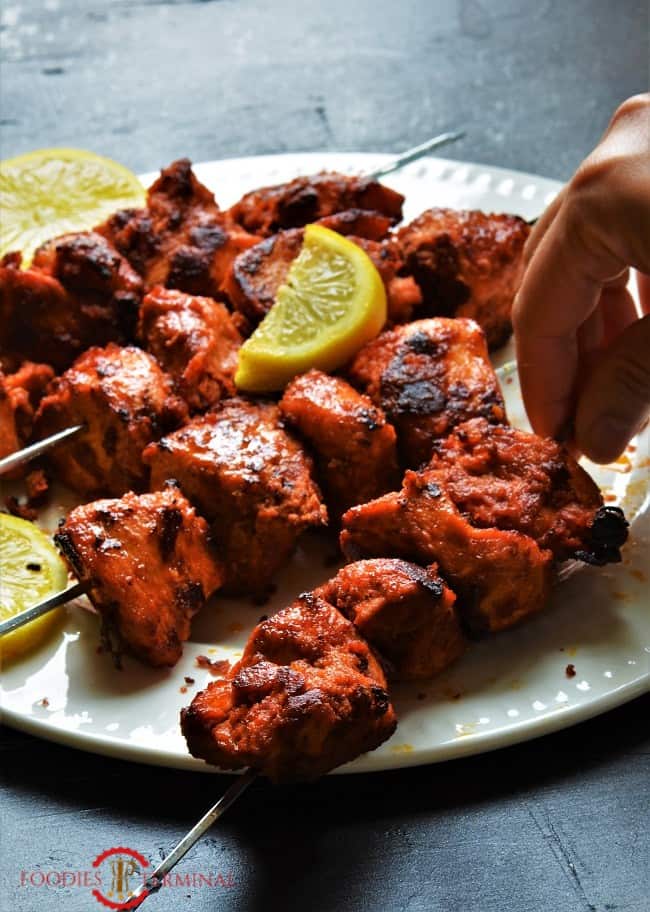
(125,401)
(355,447)
(429,376)
(181,239)
(307,696)
(20,394)
(308,199)
(406,612)
(195,340)
(148,566)
(78,293)
(505,478)
(500,577)
(256,275)
(252,284)
(360,223)
(468,264)
(250,479)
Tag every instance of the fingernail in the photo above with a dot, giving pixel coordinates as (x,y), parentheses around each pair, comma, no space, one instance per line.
(606,438)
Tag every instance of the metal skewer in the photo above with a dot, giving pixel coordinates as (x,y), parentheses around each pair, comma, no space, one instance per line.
(404,158)
(35,449)
(156,879)
(48,604)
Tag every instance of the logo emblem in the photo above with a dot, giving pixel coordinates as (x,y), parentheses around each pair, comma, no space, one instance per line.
(123,870)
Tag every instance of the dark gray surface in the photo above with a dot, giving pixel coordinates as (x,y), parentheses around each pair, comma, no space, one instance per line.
(145,81)
(557,825)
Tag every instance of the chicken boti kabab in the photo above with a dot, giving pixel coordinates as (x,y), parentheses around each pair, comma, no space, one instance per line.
(251,479)
(467,264)
(78,292)
(20,394)
(406,612)
(308,695)
(195,340)
(500,577)
(355,447)
(124,400)
(509,479)
(148,565)
(181,239)
(307,199)
(428,376)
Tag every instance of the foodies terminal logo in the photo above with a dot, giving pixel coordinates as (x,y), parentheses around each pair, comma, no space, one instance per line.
(116,873)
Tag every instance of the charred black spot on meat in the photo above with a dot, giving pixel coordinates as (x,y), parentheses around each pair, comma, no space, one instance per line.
(209,238)
(381,700)
(171,520)
(63,540)
(189,597)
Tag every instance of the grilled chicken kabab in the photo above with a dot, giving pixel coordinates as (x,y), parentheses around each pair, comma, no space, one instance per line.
(506,478)
(148,566)
(250,479)
(78,292)
(308,199)
(307,696)
(467,264)
(20,394)
(407,613)
(181,239)
(125,401)
(429,376)
(195,340)
(500,577)
(355,447)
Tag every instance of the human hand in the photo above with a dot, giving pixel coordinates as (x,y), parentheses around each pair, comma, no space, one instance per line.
(583,353)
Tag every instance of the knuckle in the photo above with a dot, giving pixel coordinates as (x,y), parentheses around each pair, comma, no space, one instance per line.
(637,104)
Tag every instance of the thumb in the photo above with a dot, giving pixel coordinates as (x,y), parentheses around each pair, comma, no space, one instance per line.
(615,401)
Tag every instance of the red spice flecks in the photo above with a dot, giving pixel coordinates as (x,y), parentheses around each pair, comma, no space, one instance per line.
(218,668)
(183,689)
(45,702)
(570,671)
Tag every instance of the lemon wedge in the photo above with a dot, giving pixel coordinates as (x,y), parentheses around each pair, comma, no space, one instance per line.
(51,191)
(331,304)
(30,570)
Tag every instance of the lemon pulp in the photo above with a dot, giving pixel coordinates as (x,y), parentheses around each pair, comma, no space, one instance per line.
(52,191)
(332,303)
(30,570)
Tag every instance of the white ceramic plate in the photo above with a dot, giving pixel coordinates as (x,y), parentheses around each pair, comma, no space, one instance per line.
(506,689)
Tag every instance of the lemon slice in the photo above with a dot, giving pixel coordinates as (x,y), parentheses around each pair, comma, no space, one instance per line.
(52,191)
(332,303)
(30,570)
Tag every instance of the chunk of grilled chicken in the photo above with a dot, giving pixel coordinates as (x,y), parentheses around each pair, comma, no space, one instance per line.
(306,199)
(195,340)
(250,479)
(355,447)
(509,479)
(500,577)
(20,394)
(428,376)
(307,696)
(125,401)
(78,292)
(256,275)
(406,613)
(467,264)
(148,566)
(181,239)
